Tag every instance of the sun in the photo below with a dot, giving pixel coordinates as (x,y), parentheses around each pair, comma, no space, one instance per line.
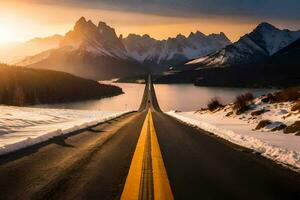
(9,30)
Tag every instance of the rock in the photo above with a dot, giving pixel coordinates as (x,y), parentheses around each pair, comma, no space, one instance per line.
(293,128)
(280,127)
(229,114)
(296,106)
(262,124)
(258,112)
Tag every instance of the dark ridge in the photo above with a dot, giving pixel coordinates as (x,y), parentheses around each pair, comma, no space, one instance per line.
(21,86)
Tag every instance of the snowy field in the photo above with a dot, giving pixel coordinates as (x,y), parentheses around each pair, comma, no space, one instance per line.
(240,129)
(23,126)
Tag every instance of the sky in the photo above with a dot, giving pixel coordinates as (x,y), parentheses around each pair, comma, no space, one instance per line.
(21,20)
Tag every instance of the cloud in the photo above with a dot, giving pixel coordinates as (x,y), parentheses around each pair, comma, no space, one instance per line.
(258,9)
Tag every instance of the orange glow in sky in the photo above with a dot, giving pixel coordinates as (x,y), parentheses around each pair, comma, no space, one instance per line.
(23,21)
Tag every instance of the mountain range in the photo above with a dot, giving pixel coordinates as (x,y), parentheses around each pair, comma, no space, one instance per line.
(265,57)
(12,53)
(262,42)
(97,52)
(147,50)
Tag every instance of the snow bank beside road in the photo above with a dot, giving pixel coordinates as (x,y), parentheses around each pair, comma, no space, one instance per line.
(23,126)
(279,147)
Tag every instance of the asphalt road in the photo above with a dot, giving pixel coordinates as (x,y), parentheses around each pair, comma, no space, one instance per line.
(94,163)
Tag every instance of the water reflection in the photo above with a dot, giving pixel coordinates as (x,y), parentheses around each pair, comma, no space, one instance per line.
(130,100)
(185,97)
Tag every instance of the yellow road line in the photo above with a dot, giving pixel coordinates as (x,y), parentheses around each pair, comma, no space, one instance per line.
(132,185)
(161,185)
(162,189)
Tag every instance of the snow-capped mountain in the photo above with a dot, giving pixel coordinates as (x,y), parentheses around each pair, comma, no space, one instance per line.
(89,51)
(99,40)
(262,42)
(97,52)
(173,50)
(86,37)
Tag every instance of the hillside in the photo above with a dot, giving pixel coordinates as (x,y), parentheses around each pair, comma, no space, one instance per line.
(163,53)
(261,43)
(281,70)
(12,53)
(24,86)
(97,52)
(277,67)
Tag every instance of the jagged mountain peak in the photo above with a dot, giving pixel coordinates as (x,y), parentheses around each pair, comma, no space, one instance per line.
(173,49)
(84,27)
(180,37)
(223,34)
(133,35)
(103,26)
(82,23)
(86,38)
(139,38)
(99,40)
(196,34)
(106,30)
(81,20)
(266,26)
(147,36)
(271,38)
(262,42)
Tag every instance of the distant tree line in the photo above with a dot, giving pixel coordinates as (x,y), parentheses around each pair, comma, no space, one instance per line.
(25,86)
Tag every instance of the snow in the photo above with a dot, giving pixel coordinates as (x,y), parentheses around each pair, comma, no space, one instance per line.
(21,127)
(275,39)
(196,61)
(240,129)
(143,48)
(265,40)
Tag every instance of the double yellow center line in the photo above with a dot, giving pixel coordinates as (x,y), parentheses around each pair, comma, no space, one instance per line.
(147,177)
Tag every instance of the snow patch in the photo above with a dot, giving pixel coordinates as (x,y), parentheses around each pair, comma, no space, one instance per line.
(196,61)
(21,127)
(283,148)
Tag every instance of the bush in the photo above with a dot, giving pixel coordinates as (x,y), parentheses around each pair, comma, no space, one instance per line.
(248,96)
(289,94)
(214,104)
(242,102)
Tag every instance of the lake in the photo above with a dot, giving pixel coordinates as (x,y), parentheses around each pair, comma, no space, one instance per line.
(184,97)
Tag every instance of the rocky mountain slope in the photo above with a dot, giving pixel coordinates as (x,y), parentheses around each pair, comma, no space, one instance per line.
(280,69)
(97,52)
(88,51)
(173,50)
(262,42)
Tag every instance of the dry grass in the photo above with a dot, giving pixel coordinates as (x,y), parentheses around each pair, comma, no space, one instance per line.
(214,104)
(289,94)
(242,102)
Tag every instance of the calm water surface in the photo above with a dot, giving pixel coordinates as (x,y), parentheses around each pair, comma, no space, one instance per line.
(184,97)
